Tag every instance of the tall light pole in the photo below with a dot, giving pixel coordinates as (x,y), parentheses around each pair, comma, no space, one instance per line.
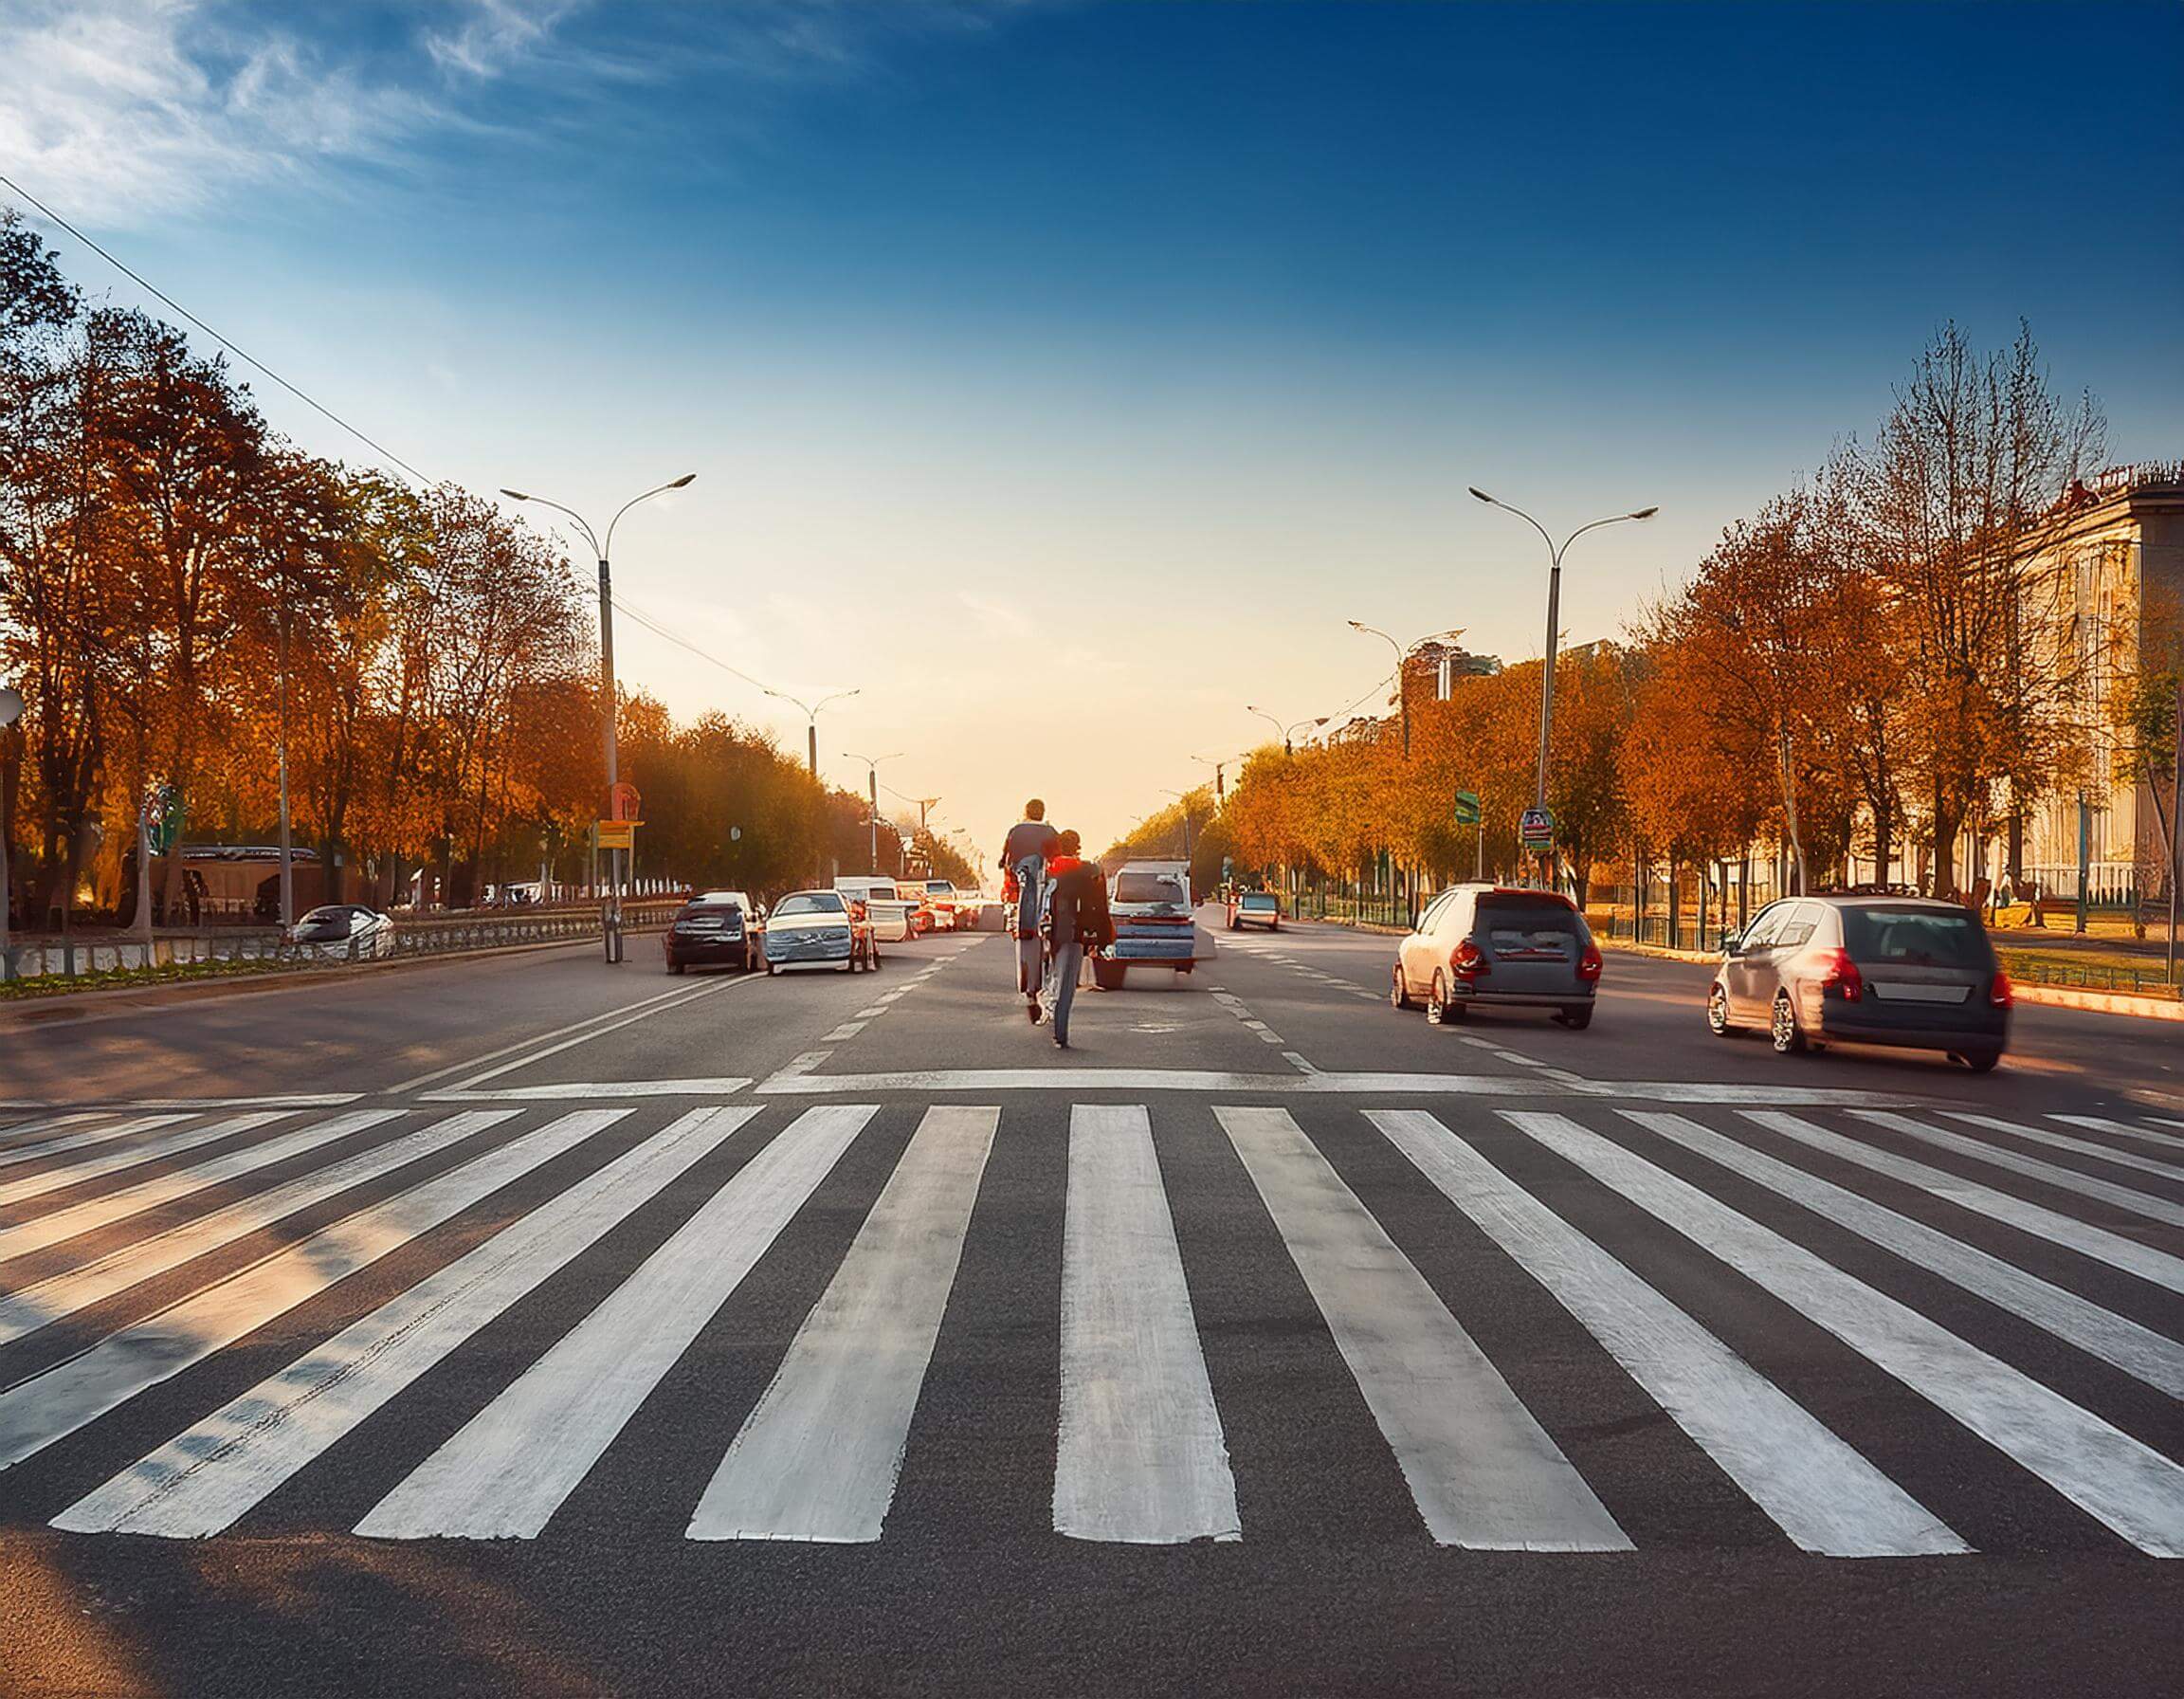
(610,911)
(872,792)
(1220,783)
(1555,553)
(811,720)
(1184,797)
(10,711)
(1402,662)
(1288,732)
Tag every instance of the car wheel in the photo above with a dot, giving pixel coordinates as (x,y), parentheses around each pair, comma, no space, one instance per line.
(1981,1061)
(1718,1010)
(1273,925)
(1576,1016)
(1107,976)
(771,969)
(873,963)
(1437,1010)
(1399,993)
(1783,1027)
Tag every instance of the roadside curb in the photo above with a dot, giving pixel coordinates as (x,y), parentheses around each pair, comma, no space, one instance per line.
(70,1008)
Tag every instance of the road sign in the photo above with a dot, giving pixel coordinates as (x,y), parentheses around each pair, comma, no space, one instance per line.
(164,817)
(1536,830)
(618,834)
(622,802)
(1468,808)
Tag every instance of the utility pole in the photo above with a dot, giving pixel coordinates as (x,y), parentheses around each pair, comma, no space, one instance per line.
(872,793)
(287,867)
(10,711)
(2175,809)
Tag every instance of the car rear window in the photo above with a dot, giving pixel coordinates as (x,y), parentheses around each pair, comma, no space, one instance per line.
(1147,888)
(1917,937)
(1529,914)
(1257,902)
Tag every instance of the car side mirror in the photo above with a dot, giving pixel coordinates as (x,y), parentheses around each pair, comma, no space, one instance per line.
(1732,942)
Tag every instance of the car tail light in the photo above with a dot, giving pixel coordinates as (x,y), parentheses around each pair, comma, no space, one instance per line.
(1469,960)
(1588,964)
(1998,993)
(1837,971)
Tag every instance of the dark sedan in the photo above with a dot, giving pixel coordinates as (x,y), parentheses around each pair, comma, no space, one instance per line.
(709,934)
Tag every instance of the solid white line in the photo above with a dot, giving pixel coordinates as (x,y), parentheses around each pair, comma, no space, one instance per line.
(2137,1351)
(2066,1180)
(1483,1473)
(100,1135)
(2037,1219)
(36,1412)
(2121,1482)
(797,1080)
(644,1014)
(24,1128)
(2102,1123)
(293,1099)
(1816,1488)
(567,1091)
(152,1150)
(2086,1147)
(507,1471)
(202,1481)
(1140,1455)
(56,1224)
(819,1456)
(35,1306)
(524,1044)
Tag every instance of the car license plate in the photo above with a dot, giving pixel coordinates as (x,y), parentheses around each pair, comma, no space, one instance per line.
(1898,991)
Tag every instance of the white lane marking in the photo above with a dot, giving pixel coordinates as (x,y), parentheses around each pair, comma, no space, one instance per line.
(876,1010)
(849,1029)
(2087,1147)
(2123,1129)
(292,1100)
(2067,1179)
(36,1412)
(2037,1219)
(797,1080)
(65,1142)
(1818,1490)
(646,1012)
(2121,1482)
(202,1481)
(819,1456)
(152,1150)
(1483,1473)
(509,1469)
(583,1090)
(56,1224)
(35,1306)
(2137,1351)
(547,1036)
(1268,1035)
(1298,1062)
(1139,1453)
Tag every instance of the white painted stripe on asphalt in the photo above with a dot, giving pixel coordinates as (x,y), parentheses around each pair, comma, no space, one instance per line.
(2124,1484)
(536,1038)
(849,1029)
(1483,1473)
(202,1481)
(61,1294)
(66,1142)
(23,1129)
(36,1412)
(2049,1173)
(660,1007)
(2102,1123)
(1139,1453)
(507,1471)
(2068,1230)
(152,1150)
(56,1224)
(2086,1147)
(2137,1351)
(579,1090)
(819,1456)
(1816,1488)
(288,1100)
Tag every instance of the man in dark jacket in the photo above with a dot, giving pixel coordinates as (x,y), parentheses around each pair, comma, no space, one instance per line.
(1024,855)
(1077,920)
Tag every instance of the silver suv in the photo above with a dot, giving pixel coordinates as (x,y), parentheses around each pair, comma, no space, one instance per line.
(1482,946)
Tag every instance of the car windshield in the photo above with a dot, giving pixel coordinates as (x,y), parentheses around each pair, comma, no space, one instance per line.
(1147,888)
(1917,937)
(810,903)
(939,887)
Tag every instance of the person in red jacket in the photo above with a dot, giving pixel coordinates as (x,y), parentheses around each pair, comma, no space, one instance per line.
(1076,920)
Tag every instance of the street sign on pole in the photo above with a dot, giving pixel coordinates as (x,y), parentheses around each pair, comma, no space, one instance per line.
(1536,829)
(618,834)
(1469,808)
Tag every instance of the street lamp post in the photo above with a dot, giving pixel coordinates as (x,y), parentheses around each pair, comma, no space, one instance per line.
(1183,796)
(1288,732)
(811,722)
(1555,553)
(872,792)
(10,711)
(610,911)
(1402,662)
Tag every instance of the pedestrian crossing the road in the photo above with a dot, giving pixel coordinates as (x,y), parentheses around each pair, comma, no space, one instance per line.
(214,1323)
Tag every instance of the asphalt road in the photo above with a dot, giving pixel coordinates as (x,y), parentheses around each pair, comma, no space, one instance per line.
(532,1327)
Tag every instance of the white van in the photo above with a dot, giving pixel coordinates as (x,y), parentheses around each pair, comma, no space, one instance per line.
(884,905)
(1149,901)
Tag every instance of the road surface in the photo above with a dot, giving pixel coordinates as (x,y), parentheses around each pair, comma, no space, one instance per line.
(532,1327)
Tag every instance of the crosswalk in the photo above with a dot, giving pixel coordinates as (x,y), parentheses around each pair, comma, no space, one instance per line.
(1790,1293)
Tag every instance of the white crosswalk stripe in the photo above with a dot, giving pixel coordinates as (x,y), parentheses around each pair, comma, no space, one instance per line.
(169,1144)
(2049,1173)
(2085,1147)
(60,1140)
(1135,1449)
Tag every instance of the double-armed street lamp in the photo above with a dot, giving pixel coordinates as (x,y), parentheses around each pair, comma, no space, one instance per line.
(1289,731)
(1403,656)
(612,910)
(872,793)
(1555,553)
(811,720)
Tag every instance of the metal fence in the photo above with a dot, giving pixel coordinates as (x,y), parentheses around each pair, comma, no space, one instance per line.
(2149,981)
(118,958)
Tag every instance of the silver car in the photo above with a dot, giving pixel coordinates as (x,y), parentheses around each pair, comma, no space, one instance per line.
(1484,946)
(813,928)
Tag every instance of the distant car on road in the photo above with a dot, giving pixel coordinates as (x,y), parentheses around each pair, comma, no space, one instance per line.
(718,929)
(816,929)
(1906,971)
(892,918)
(1149,903)
(943,898)
(343,932)
(1254,908)
(1485,946)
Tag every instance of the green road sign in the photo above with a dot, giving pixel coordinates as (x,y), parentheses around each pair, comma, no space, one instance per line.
(1469,811)
(166,818)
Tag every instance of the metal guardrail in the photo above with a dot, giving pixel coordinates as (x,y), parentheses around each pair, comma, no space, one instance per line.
(2149,982)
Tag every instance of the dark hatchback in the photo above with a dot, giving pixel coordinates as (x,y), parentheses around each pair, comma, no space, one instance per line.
(1911,972)
(710,935)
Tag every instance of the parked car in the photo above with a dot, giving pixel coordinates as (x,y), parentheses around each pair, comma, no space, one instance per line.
(1906,971)
(1485,946)
(943,899)
(812,928)
(1254,908)
(891,917)
(1149,901)
(343,932)
(716,929)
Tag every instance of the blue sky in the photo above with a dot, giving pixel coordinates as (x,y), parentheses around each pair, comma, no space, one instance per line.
(1065,375)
